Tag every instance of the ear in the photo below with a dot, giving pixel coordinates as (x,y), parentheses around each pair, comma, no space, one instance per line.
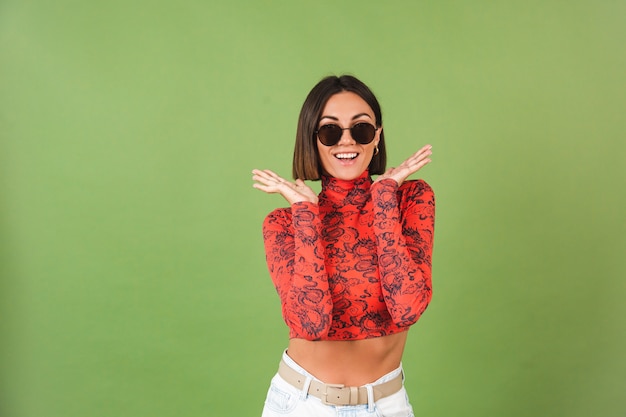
(377,137)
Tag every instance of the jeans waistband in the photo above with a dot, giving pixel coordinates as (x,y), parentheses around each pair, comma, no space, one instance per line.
(293,365)
(337,394)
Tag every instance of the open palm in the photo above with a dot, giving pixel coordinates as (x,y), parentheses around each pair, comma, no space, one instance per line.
(413,164)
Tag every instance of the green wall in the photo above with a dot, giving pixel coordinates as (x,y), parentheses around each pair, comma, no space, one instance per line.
(133,280)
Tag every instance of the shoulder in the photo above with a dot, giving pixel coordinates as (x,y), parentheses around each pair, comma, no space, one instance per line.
(417,200)
(279,216)
(416,190)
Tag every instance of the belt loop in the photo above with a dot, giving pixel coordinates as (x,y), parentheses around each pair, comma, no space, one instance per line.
(370,398)
(305,389)
(354,395)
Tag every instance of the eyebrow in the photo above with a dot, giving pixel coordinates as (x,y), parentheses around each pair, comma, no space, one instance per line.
(356,116)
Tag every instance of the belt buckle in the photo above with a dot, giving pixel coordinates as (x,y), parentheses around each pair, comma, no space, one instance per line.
(337,393)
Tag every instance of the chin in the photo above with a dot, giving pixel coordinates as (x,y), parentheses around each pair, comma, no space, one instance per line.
(348,174)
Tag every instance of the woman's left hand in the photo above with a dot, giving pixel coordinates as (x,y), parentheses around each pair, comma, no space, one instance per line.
(408,167)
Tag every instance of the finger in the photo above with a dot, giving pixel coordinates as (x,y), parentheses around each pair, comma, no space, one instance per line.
(265,188)
(286,190)
(413,165)
(418,165)
(259,175)
(263,179)
(425,151)
(418,158)
(270,178)
(275,176)
(425,148)
(263,172)
(267,174)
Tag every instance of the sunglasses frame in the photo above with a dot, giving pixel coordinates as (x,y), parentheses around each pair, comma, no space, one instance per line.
(346,128)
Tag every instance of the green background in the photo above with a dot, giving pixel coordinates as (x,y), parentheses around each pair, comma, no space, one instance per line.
(133,274)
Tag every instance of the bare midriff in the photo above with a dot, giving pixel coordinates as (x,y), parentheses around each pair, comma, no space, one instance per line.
(351,362)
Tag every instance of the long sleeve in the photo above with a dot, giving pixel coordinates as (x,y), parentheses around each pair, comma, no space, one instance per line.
(295,259)
(404,228)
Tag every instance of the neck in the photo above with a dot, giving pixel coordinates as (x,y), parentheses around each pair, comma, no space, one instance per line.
(339,190)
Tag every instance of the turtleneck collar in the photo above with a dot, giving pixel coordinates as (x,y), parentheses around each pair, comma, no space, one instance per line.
(343,191)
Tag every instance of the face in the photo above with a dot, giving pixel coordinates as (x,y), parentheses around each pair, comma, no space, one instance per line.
(347,159)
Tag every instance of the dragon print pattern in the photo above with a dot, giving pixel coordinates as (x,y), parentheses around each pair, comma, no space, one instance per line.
(357,264)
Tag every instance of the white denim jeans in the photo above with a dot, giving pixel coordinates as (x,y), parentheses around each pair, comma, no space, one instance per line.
(283,399)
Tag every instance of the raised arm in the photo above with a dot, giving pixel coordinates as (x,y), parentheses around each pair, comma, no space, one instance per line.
(404,229)
(295,258)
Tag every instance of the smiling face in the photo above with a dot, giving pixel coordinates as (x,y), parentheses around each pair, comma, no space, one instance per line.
(347,159)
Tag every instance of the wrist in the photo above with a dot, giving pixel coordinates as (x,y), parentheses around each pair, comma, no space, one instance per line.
(387,182)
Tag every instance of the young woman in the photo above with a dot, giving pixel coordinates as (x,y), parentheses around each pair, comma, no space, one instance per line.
(352,265)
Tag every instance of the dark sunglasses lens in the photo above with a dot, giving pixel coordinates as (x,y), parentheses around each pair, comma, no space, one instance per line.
(329,135)
(363,133)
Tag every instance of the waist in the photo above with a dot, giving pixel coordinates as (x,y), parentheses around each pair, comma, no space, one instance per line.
(339,394)
(354,362)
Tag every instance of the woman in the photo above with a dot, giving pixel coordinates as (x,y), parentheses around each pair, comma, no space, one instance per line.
(352,266)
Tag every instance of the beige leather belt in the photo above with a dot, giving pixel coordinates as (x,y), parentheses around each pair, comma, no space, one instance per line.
(334,394)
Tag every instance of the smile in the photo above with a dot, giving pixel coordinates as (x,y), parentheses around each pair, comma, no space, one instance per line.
(350,155)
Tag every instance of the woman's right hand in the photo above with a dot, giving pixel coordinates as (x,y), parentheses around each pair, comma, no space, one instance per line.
(293,192)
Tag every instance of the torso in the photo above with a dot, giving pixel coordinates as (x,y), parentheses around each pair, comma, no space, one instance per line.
(351,261)
(362,342)
(353,362)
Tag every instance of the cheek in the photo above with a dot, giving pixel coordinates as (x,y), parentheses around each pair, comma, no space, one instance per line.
(323,158)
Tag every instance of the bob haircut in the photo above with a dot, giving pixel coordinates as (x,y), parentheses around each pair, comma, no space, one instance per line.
(306,159)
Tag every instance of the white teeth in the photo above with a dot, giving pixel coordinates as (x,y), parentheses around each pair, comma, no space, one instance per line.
(346,155)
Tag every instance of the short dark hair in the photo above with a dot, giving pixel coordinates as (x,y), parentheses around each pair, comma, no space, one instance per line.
(306,159)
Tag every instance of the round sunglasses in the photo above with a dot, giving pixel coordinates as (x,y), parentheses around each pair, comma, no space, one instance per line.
(331,134)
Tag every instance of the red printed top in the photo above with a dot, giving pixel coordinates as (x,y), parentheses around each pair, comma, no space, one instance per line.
(356,265)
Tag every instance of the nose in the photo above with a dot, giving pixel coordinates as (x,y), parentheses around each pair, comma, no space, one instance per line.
(346,137)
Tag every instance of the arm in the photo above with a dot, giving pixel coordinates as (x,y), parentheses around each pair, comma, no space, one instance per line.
(295,258)
(404,234)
